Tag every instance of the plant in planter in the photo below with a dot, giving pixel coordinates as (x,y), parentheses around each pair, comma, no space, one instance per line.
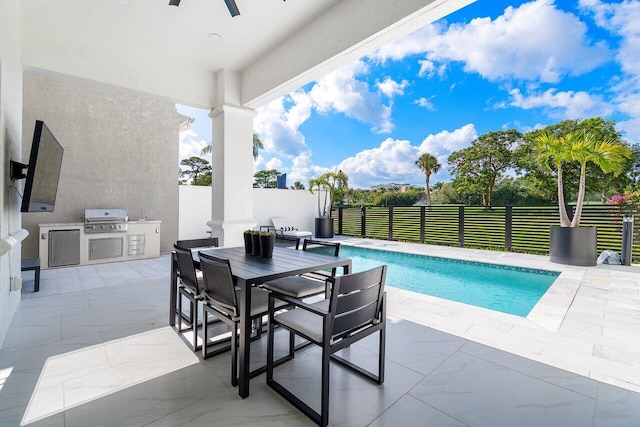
(328,186)
(571,244)
(248,241)
(255,242)
(267,242)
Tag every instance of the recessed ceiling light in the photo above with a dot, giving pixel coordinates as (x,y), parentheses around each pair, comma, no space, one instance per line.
(215,37)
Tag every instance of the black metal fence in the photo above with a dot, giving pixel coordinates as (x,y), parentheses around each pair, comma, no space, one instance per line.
(510,228)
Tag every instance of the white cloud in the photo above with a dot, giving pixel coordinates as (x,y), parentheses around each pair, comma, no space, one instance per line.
(340,91)
(390,87)
(303,169)
(274,163)
(563,104)
(191,145)
(444,143)
(393,161)
(415,43)
(428,68)
(278,127)
(425,103)
(535,41)
(623,20)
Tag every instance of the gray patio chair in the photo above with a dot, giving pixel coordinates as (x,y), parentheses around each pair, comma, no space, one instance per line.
(220,299)
(208,242)
(190,287)
(307,284)
(356,309)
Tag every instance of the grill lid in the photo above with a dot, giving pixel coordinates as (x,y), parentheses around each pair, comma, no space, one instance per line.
(92,216)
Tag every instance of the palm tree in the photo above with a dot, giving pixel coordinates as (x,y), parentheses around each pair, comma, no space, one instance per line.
(336,184)
(257,145)
(429,165)
(581,147)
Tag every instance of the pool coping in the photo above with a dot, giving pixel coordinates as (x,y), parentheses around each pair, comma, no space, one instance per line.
(588,321)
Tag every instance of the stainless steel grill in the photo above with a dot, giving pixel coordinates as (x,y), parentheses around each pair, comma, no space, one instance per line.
(105,220)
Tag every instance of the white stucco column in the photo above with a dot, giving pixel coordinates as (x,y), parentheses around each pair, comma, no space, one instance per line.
(232,162)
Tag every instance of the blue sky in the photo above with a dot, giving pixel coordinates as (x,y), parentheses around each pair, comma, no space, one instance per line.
(492,65)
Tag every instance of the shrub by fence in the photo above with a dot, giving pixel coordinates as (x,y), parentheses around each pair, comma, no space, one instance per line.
(511,228)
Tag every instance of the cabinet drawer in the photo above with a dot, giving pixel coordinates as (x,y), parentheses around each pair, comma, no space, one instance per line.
(136,238)
(136,249)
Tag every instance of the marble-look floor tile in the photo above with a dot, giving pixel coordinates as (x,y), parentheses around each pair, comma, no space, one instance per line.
(411,412)
(481,393)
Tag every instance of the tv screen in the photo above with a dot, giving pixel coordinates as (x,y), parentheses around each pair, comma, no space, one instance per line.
(43,171)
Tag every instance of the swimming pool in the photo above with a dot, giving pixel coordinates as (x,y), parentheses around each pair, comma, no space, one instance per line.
(512,290)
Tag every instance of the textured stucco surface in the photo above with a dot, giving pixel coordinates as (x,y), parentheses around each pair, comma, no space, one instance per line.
(10,147)
(120,151)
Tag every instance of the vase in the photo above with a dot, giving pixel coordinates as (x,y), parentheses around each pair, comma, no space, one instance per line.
(573,245)
(267,243)
(248,243)
(255,242)
(324,227)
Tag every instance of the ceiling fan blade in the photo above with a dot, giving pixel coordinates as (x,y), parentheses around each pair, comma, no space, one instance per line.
(233,8)
(174,3)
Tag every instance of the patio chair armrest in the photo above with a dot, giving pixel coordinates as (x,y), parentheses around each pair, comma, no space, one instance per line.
(298,303)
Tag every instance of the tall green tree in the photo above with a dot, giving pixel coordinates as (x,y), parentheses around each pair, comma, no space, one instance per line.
(581,148)
(257,146)
(477,167)
(197,170)
(266,178)
(429,165)
(542,181)
(336,185)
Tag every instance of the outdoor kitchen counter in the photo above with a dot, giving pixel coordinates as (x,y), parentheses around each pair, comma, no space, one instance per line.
(66,244)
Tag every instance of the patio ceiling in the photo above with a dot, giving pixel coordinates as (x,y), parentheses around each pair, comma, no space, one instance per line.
(274,45)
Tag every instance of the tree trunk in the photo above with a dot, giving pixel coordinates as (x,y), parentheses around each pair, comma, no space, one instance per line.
(564,217)
(581,191)
(428,193)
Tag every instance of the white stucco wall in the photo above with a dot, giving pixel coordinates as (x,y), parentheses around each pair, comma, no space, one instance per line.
(299,206)
(120,151)
(10,148)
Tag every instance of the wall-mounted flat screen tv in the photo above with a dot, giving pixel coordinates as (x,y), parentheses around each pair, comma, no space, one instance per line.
(43,171)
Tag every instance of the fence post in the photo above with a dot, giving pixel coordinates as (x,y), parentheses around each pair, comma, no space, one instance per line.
(340,220)
(461,226)
(363,221)
(390,222)
(508,226)
(422,223)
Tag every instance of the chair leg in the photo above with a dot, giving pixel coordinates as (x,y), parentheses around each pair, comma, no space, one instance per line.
(194,324)
(234,356)
(270,349)
(324,404)
(205,332)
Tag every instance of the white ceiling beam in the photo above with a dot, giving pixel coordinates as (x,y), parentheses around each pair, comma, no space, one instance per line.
(346,32)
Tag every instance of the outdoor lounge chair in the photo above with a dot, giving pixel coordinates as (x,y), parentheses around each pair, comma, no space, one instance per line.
(286,231)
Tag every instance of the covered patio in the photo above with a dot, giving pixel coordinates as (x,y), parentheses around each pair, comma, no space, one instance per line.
(93,347)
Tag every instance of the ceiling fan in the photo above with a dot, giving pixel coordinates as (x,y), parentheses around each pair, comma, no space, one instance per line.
(231,5)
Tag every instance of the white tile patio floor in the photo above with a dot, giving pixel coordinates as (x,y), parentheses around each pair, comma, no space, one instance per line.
(93,348)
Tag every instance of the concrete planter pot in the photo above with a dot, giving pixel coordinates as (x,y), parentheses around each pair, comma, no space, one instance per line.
(573,245)
(267,243)
(324,228)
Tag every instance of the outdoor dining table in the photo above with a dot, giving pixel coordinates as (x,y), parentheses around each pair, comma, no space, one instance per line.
(250,270)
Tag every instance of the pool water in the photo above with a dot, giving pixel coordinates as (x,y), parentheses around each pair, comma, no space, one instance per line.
(512,290)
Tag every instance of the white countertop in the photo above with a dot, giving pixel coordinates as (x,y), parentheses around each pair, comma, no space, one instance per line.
(81,224)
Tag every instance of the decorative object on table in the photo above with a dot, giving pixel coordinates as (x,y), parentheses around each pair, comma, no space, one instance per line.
(328,186)
(248,242)
(255,242)
(569,243)
(267,242)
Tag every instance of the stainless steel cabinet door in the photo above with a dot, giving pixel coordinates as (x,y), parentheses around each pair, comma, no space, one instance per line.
(110,247)
(64,247)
